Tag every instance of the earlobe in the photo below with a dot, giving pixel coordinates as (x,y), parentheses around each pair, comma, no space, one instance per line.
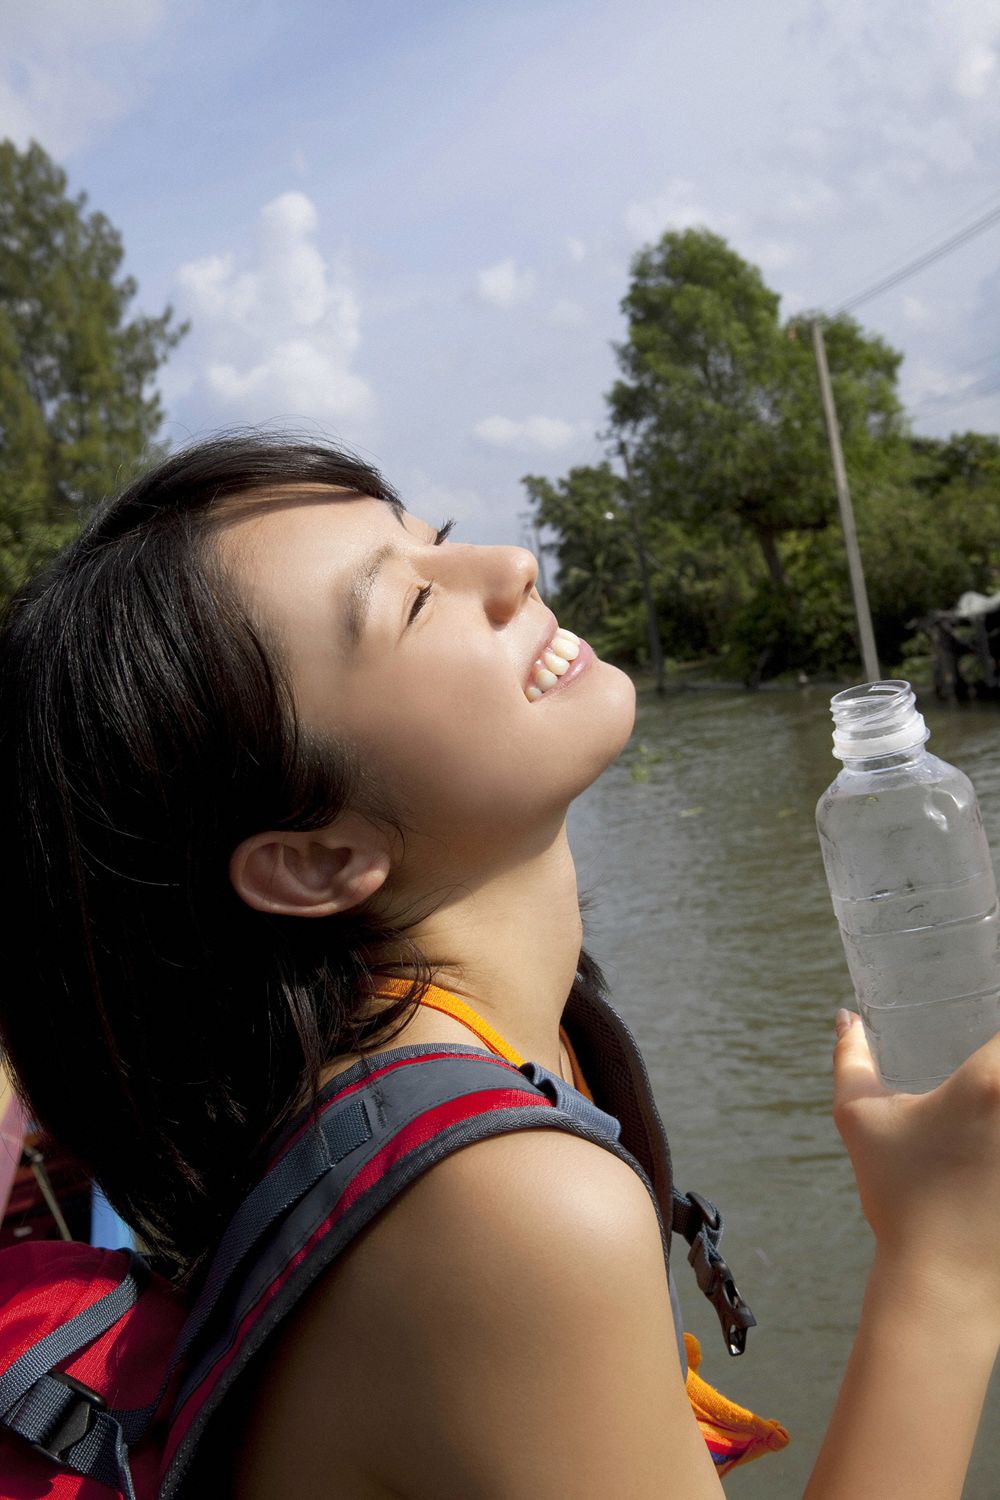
(315,874)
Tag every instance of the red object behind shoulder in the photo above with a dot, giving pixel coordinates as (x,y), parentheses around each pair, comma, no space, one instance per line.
(45,1283)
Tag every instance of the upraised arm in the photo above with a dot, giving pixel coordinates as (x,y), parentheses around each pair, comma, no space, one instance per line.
(928,1170)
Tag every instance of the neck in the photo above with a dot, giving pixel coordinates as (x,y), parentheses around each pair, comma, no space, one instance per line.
(509,944)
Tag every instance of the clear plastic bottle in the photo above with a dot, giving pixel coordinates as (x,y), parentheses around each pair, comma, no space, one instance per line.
(913,888)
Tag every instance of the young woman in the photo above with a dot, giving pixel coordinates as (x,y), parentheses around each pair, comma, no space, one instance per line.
(276,755)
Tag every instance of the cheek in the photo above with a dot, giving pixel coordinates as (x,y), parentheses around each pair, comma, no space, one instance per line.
(474,759)
(466,764)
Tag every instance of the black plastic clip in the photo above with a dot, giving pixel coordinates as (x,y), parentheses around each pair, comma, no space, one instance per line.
(73,1421)
(703,1229)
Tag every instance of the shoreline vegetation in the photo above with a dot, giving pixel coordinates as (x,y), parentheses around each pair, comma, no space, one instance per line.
(709,676)
(710,535)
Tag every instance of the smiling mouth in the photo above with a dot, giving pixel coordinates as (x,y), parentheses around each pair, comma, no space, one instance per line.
(554,663)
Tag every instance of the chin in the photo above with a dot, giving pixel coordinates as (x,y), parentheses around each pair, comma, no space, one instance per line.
(621,711)
(614,718)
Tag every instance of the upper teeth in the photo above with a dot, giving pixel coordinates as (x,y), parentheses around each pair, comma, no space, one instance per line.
(553,662)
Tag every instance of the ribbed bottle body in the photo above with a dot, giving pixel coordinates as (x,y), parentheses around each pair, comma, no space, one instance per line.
(914,892)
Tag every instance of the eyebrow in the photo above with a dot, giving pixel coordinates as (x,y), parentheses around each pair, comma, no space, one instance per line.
(360,590)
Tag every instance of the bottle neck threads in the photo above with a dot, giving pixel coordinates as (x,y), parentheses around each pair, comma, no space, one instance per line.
(876,719)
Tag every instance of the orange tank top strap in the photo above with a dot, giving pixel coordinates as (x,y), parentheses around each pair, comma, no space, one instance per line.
(436,998)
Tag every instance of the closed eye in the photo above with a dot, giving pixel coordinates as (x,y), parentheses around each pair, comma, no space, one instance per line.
(422,597)
(424,594)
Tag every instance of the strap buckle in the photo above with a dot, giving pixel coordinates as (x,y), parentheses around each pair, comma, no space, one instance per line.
(703,1230)
(73,1420)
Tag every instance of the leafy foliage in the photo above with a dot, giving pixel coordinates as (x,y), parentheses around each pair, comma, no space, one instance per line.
(717,409)
(692,569)
(75,407)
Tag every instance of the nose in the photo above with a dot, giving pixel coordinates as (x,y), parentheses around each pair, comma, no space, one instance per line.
(508,578)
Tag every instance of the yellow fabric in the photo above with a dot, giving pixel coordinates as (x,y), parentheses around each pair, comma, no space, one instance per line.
(733,1435)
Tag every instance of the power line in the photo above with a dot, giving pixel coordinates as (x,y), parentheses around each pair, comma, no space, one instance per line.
(925,242)
(977,391)
(983,360)
(978,226)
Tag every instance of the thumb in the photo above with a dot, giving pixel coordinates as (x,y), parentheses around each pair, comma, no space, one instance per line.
(855,1075)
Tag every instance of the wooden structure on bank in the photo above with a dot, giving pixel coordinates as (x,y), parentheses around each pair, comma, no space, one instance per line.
(965,647)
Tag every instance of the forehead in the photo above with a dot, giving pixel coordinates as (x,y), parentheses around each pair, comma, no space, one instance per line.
(262,532)
(292,552)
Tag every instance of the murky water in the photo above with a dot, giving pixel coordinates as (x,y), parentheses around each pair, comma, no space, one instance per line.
(711,917)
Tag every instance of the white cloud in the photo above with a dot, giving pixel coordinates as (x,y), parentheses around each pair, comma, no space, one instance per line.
(548,433)
(568,314)
(976,71)
(943,401)
(805,200)
(277,337)
(677,207)
(69,70)
(770,255)
(504,285)
(927,384)
(926,145)
(216,292)
(915,309)
(295,376)
(576,248)
(793,302)
(435,501)
(918,87)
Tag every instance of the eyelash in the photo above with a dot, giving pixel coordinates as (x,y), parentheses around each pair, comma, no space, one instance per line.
(424,593)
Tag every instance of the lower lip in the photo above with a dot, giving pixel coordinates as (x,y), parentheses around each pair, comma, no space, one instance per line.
(581,664)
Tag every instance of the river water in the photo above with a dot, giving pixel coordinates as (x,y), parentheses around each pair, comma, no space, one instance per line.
(711,917)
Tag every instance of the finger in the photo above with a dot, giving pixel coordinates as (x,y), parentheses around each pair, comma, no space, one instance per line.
(855,1075)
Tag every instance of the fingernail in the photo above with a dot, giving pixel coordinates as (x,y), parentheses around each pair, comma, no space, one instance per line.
(843,1021)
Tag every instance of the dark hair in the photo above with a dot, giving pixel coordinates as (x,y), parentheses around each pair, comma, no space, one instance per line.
(158,1027)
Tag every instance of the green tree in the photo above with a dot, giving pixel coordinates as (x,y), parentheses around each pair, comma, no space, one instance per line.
(972,458)
(598,586)
(718,404)
(696,575)
(719,413)
(718,399)
(927,533)
(76,404)
(949,513)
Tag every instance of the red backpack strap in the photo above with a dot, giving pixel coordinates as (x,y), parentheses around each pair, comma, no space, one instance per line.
(375,1129)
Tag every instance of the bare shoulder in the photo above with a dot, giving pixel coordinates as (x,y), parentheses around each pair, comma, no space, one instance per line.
(503,1328)
(549,1174)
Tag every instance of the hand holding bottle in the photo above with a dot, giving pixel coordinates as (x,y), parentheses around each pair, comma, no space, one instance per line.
(926,1165)
(927,1172)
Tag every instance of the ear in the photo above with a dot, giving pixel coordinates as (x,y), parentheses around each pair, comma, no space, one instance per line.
(314,874)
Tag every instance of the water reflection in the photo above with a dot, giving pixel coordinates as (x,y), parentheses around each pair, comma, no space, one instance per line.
(712,919)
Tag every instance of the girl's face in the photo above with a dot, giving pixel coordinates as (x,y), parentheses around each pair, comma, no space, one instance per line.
(418,652)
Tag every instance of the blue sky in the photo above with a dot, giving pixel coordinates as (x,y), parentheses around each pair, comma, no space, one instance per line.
(408,226)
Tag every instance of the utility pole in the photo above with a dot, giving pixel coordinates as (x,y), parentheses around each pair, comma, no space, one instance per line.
(655,650)
(866,635)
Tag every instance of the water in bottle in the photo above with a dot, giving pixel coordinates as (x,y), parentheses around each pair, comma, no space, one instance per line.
(913,888)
